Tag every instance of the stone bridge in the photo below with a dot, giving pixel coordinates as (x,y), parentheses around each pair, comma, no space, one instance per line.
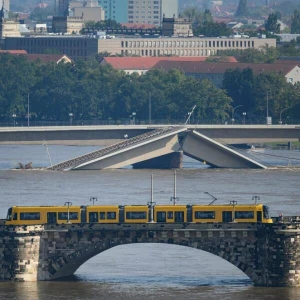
(267,253)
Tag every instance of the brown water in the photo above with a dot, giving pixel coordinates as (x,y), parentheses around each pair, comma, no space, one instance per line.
(145,271)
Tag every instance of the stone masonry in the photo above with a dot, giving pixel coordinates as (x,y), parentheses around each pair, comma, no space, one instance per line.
(268,253)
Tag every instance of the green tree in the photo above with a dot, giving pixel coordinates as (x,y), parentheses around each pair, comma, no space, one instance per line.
(295,24)
(242,9)
(272,25)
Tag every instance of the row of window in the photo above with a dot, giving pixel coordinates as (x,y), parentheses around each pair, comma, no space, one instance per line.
(211,215)
(177,52)
(52,43)
(204,44)
(29,216)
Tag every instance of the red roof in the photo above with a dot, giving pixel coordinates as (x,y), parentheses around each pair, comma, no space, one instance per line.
(146,63)
(220,67)
(14,51)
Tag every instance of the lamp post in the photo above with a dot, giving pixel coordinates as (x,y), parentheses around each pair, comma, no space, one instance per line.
(234,203)
(28,116)
(69,204)
(280,121)
(71,118)
(14,117)
(133,117)
(232,116)
(93,199)
(244,115)
(150,108)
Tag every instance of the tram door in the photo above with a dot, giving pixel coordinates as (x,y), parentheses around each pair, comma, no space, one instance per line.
(258,216)
(179,216)
(51,218)
(227,216)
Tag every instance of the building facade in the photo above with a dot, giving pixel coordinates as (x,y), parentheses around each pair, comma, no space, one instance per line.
(139,11)
(172,46)
(90,10)
(8,26)
(61,6)
(83,46)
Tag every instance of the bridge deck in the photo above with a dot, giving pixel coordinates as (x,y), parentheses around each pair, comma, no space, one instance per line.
(73,163)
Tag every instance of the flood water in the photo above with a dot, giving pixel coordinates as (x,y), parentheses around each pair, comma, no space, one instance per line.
(147,271)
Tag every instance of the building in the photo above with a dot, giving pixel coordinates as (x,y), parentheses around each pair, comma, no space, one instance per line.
(75,47)
(56,58)
(171,46)
(141,65)
(8,26)
(177,27)
(84,46)
(90,10)
(139,11)
(215,71)
(68,23)
(6,4)
(61,7)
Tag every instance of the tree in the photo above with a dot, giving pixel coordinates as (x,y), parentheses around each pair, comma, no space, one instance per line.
(272,25)
(242,9)
(295,25)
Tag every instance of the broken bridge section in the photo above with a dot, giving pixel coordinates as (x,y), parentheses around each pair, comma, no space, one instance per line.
(157,143)
(161,148)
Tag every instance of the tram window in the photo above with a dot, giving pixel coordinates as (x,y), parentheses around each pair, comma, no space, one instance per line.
(111,215)
(15,216)
(266,212)
(9,214)
(244,215)
(102,215)
(161,216)
(64,216)
(30,216)
(170,215)
(204,214)
(93,216)
(136,215)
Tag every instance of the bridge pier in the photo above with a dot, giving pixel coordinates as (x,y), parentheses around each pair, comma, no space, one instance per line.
(267,253)
(169,161)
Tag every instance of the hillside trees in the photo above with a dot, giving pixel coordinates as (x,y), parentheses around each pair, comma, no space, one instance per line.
(295,25)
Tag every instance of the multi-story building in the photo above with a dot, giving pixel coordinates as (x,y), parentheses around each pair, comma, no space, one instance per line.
(61,6)
(139,11)
(6,4)
(8,26)
(90,10)
(82,46)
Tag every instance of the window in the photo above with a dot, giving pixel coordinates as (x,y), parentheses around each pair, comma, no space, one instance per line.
(136,215)
(244,215)
(102,215)
(30,216)
(204,215)
(161,216)
(170,215)
(64,216)
(111,216)
(93,216)
(15,216)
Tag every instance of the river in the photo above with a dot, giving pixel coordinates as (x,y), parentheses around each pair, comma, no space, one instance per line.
(147,271)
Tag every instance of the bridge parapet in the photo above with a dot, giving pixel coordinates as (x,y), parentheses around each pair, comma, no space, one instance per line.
(267,253)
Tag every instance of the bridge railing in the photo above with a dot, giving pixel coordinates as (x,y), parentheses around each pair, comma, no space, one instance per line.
(113,148)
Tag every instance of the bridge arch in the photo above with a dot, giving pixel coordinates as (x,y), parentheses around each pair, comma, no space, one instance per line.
(79,246)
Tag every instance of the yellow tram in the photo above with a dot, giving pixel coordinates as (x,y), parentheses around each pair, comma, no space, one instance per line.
(112,214)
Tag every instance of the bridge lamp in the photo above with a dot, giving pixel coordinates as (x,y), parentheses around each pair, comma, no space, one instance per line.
(68,203)
(133,116)
(232,114)
(93,199)
(233,203)
(244,115)
(71,118)
(280,121)
(14,117)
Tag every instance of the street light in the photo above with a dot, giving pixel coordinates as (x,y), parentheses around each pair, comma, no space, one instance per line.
(150,108)
(14,116)
(69,204)
(71,118)
(93,199)
(133,117)
(244,115)
(28,115)
(232,116)
(280,122)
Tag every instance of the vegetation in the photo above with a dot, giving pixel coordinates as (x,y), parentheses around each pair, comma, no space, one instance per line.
(90,91)
(242,9)
(271,24)
(203,24)
(295,25)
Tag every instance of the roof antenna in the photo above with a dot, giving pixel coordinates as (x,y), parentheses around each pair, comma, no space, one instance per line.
(189,114)
(214,198)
